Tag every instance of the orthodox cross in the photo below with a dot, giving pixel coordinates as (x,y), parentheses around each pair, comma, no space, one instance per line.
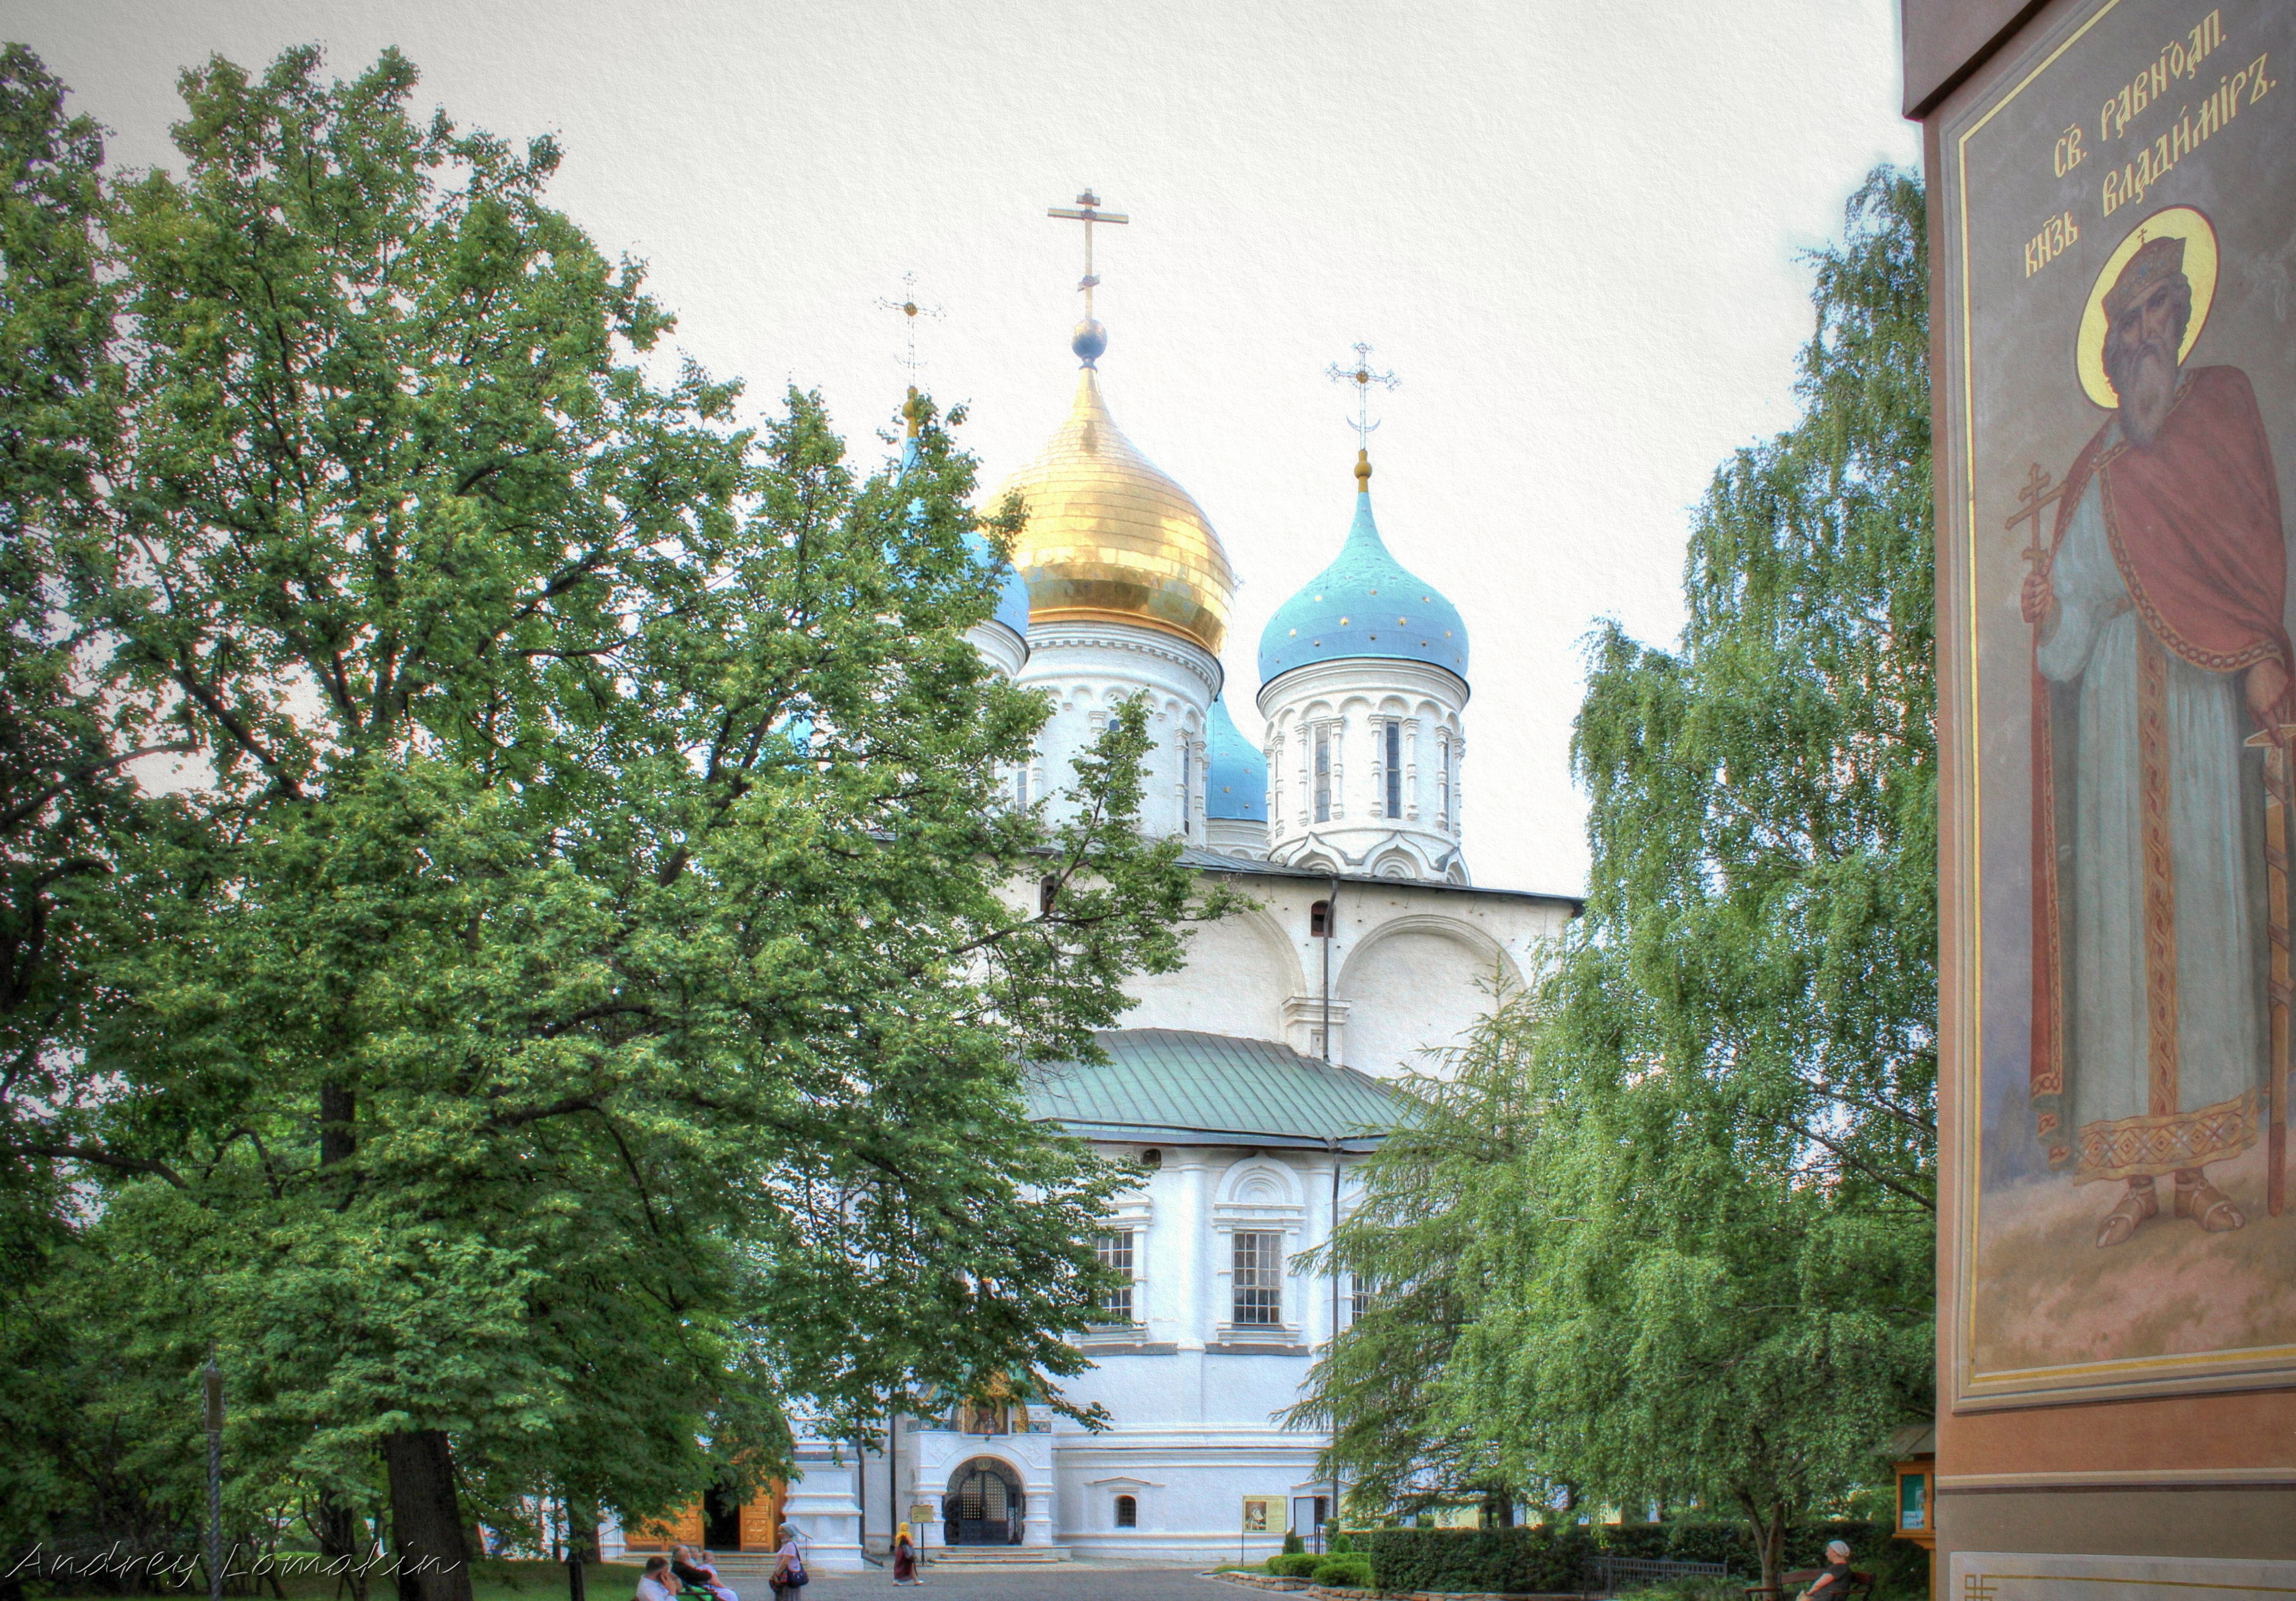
(1086,211)
(2031,499)
(910,310)
(1363,378)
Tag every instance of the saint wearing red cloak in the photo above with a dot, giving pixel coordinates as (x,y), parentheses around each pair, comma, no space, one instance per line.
(2159,649)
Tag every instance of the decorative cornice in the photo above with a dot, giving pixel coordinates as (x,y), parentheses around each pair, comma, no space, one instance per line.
(1415,842)
(1311,678)
(1006,648)
(1115,636)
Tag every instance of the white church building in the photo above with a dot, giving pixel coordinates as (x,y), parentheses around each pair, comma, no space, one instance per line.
(1247,1084)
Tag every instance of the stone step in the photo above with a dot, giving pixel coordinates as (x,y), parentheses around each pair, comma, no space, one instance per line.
(734,1566)
(962,1555)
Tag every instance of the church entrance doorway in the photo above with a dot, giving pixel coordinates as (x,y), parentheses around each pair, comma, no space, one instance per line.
(721,1521)
(984,1506)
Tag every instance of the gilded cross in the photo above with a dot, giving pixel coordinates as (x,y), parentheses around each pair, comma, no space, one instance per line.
(1363,378)
(1086,211)
(2031,499)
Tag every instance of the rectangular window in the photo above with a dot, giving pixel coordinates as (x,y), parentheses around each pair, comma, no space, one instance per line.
(1358,1296)
(1258,1278)
(1020,787)
(1114,1250)
(1443,784)
(1394,769)
(1187,789)
(1323,775)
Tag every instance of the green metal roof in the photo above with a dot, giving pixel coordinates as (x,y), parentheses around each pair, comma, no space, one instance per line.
(1170,1083)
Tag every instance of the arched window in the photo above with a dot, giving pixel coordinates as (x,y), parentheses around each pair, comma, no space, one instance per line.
(1443,783)
(1128,1513)
(1319,920)
(1021,785)
(1323,775)
(1394,768)
(1047,892)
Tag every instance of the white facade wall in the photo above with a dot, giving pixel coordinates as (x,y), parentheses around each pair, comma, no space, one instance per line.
(1190,1396)
(1412,965)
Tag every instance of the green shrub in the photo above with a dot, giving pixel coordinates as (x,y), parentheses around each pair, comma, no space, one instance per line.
(1294,1564)
(1352,1572)
(1292,1545)
(1341,1545)
(1552,1557)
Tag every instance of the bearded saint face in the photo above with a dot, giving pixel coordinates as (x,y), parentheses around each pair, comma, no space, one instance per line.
(2140,356)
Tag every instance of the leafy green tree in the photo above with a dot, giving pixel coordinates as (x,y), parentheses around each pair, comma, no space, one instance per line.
(1734,1216)
(1691,1263)
(70,810)
(1437,1223)
(585,1037)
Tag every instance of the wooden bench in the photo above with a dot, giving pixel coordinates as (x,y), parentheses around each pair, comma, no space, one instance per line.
(1790,1585)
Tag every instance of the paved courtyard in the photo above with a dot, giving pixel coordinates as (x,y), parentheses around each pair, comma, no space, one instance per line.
(1061,1581)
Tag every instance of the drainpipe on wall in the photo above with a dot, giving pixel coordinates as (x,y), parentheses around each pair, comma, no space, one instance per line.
(1330,933)
(1331,1234)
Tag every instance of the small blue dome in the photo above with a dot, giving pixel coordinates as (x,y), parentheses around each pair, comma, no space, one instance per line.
(1364,604)
(1235,771)
(1013,594)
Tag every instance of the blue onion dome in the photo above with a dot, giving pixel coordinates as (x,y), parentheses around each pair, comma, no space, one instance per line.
(1012,594)
(1235,771)
(1365,604)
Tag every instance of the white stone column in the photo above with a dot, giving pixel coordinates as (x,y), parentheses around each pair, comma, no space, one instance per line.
(1458,786)
(1181,1258)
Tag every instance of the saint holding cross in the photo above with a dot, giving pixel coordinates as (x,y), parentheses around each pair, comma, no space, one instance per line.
(2161,712)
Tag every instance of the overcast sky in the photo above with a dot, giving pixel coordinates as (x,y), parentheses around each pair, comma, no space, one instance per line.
(1574,231)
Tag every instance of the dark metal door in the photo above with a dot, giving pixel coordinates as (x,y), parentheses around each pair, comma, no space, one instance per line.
(983,1508)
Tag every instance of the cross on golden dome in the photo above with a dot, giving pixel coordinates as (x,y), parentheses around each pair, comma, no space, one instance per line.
(1091,338)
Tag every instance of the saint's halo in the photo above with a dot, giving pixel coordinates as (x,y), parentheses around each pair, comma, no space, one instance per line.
(2200,237)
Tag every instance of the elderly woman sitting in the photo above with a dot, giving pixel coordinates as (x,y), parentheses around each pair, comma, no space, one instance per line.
(697,1574)
(1834,1581)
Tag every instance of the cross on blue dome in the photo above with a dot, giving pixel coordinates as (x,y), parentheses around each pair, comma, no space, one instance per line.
(1364,605)
(1235,771)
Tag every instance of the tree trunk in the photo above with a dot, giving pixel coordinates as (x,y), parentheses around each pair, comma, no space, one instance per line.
(426,1519)
(338,1115)
(1769,1534)
(342,1535)
(581,1527)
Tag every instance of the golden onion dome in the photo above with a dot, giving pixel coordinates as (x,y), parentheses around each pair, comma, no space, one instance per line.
(1110,538)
